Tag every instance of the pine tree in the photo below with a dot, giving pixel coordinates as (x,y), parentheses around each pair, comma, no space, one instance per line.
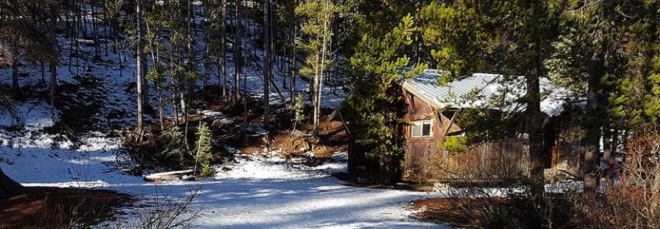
(375,108)
(595,59)
(203,154)
(505,37)
(315,42)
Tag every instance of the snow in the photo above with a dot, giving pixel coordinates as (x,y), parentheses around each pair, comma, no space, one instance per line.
(255,192)
(34,114)
(487,90)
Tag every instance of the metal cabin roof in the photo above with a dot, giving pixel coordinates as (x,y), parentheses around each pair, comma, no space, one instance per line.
(486,87)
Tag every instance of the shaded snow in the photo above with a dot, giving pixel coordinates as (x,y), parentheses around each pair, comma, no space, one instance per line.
(256,192)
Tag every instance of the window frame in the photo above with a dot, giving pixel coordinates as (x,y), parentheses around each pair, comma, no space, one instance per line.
(420,124)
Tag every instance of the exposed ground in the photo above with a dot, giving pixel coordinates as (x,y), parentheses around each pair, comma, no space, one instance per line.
(35,207)
(74,145)
(443,210)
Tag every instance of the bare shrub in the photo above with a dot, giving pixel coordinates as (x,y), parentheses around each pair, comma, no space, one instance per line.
(489,189)
(165,212)
(631,201)
(634,200)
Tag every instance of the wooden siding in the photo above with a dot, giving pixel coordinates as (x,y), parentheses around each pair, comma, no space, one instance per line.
(418,110)
(424,161)
(497,160)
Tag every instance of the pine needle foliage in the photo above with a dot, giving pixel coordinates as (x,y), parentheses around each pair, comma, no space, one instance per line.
(203,154)
(375,105)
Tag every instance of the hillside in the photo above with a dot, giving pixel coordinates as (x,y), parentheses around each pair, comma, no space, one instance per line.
(77,143)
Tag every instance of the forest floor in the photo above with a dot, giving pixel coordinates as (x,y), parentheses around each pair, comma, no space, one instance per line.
(68,152)
(257,188)
(45,207)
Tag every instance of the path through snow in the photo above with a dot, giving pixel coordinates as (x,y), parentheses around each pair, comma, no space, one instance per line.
(255,193)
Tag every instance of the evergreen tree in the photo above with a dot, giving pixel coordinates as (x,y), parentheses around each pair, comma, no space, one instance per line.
(203,154)
(27,30)
(606,56)
(375,107)
(315,42)
(505,37)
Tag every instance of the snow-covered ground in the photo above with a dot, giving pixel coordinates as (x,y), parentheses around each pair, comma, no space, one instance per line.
(256,193)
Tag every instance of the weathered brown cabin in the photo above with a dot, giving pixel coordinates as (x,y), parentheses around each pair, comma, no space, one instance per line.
(432,110)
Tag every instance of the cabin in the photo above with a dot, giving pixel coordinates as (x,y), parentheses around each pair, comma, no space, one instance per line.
(432,111)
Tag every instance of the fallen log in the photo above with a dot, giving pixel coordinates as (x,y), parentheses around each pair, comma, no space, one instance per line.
(171,176)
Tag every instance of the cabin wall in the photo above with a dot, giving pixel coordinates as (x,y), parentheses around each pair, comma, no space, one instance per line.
(501,160)
(567,151)
(420,149)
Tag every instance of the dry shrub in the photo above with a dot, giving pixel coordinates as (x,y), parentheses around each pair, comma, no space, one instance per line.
(634,200)
(499,208)
(630,199)
(43,207)
(164,212)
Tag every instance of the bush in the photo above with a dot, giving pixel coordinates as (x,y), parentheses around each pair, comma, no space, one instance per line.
(634,200)
(158,152)
(455,144)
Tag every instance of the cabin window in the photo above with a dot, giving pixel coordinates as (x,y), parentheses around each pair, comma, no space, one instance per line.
(421,128)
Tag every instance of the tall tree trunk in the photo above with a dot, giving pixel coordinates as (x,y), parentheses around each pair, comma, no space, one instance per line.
(237,50)
(223,47)
(8,187)
(139,69)
(15,87)
(184,115)
(314,95)
(161,106)
(292,68)
(52,61)
(319,83)
(95,31)
(268,63)
(537,155)
(593,120)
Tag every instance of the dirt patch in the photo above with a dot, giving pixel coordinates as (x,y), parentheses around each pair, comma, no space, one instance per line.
(41,207)
(332,136)
(240,126)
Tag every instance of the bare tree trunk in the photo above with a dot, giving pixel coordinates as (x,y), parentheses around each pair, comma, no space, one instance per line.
(95,31)
(15,87)
(293,66)
(268,63)
(593,121)
(175,110)
(139,69)
(319,83)
(161,107)
(52,61)
(534,128)
(314,94)
(223,47)
(237,51)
